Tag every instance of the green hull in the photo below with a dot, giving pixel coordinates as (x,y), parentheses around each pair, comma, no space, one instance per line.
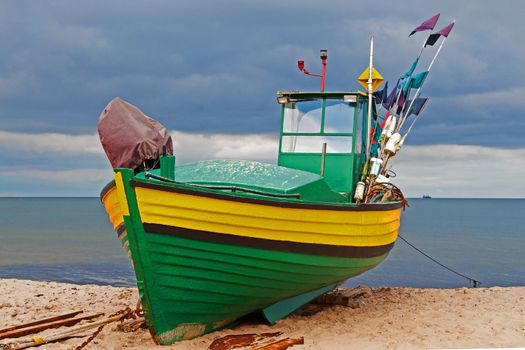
(208,285)
(193,282)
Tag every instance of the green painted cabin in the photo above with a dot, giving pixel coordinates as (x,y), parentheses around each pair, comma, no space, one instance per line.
(310,119)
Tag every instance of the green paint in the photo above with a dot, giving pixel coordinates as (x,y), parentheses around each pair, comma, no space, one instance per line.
(283,308)
(167,167)
(205,283)
(139,255)
(323,114)
(341,169)
(188,287)
(258,176)
(317,134)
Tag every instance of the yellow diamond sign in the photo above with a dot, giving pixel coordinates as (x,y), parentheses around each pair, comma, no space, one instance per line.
(377,79)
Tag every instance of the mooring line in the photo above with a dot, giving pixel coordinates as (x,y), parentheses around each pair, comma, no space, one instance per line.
(474,283)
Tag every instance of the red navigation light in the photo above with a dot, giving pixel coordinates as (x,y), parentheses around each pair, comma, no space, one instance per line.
(324,55)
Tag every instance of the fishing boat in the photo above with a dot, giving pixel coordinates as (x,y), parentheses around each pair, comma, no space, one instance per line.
(212,241)
(215,240)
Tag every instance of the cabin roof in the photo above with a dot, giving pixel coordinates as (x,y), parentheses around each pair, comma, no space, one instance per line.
(257,176)
(334,94)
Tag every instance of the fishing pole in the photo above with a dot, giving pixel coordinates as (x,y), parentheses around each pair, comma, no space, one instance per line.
(394,143)
(429,24)
(418,91)
(412,124)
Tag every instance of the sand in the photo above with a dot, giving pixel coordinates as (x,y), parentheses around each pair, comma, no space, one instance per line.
(383,318)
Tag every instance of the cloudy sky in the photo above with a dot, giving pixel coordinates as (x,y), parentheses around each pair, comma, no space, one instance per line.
(208,70)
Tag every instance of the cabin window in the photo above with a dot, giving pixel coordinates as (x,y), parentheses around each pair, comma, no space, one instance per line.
(309,120)
(307,124)
(314,144)
(303,116)
(339,117)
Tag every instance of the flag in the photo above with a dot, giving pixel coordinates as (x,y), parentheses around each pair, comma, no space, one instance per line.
(417,106)
(417,80)
(381,95)
(405,85)
(429,24)
(401,101)
(432,38)
(387,115)
(391,99)
(374,149)
(411,70)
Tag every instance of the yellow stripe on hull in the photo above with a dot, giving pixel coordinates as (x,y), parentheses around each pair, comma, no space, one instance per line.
(112,204)
(333,227)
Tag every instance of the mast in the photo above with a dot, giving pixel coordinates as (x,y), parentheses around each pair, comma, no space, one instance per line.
(370,95)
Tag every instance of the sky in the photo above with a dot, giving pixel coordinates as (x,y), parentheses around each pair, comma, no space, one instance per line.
(209,70)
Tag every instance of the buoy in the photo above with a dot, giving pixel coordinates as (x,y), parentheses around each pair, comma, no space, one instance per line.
(382,179)
(390,125)
(359,191)
(401,142)
(376,166)
(391,145)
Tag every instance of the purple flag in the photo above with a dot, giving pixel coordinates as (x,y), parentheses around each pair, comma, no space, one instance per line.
(429,24)
(381,95)
(417,106)
(401,101)
(391,100)
(432,38)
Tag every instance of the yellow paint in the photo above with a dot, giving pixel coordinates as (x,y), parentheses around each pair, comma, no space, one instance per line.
(344,228)
(377,79)
(121,194)
(113,208)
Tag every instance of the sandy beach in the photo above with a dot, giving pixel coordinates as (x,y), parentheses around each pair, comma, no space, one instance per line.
(382,318)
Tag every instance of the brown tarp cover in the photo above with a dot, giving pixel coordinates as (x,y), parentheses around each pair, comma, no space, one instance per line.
(129,137)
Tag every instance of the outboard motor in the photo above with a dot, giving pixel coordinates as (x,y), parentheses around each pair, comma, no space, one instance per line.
(130,138)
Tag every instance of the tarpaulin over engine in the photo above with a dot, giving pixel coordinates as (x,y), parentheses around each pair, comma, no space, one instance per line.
(129,137)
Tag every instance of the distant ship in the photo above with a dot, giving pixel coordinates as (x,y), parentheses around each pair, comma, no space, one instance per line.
(426,196)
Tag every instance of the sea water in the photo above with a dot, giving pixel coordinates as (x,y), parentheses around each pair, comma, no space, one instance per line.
(71,240)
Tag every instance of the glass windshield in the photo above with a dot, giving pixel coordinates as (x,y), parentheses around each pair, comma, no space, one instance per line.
(303,116)
(306,117)
(314,144)
(339,116)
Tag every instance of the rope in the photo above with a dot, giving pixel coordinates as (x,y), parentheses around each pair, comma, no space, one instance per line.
(382,192)
(126,312)
(474,283)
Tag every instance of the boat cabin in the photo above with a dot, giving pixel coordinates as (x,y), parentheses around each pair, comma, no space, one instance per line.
(322,132)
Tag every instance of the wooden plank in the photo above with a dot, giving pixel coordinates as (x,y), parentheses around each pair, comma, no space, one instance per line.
(40,327)
(68,333)
(44,320)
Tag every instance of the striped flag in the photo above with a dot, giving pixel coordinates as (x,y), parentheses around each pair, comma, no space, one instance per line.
(433,38)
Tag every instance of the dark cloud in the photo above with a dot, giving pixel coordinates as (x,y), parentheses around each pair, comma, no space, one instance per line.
(215,66)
